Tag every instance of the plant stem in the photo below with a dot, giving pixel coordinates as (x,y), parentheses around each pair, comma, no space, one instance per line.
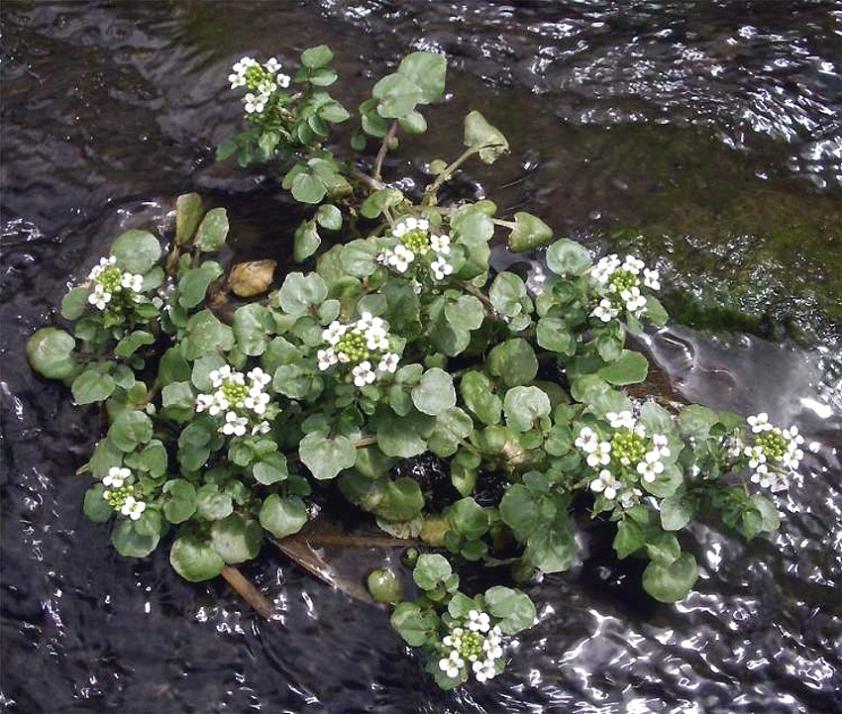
(372,183)
(432,189)
(384,149)
(248,591)
(508,224)
(476,292)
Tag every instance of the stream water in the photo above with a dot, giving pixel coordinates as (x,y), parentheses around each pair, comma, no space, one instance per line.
(704,134)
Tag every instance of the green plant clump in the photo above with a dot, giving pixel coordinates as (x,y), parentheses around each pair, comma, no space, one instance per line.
(399,340)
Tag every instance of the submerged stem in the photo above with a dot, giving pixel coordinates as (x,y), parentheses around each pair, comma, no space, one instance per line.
(248,591)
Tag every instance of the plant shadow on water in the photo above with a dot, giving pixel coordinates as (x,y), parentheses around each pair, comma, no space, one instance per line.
(709,129)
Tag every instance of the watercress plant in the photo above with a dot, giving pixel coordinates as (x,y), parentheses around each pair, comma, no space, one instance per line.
(228,418)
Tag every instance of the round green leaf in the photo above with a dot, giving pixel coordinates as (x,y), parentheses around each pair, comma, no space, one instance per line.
(431,570)
(326,456)
(413,624)
(136,251)
(523,406)
(466,313)
(95,507)
(567,257)
(283,516)
(252,326)
(236,539)
(131,544)
(74,303)
(194,284)
(514,362)
(50,353)
(671,583)
(213,230)
(630,368)
(92,386)
(181,500)
(129,429)
(329,216)
(553,334)
(530,232)
(435,394)
(513,608)
(299,292)
(195,560)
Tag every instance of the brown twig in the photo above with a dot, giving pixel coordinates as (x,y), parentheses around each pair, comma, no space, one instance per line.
(384,149)
(248,591)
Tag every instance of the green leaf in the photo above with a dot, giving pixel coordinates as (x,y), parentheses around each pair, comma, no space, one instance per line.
(297,382)
(378,201)
(50,353)
(178,400)
(552,549)
(513,608)
(477,391)
(212,504)
(514,362)
(308,188)
(507,293)
(427,72)
(131,544)
(524,406)
(552,333)
(132,342)
(236,539)
(465,313)
(95,507)
(479,134)
(194,284)
(195,560)
(431,570)
(136,251)
(655,312)
(173,367)
(630,368)
(306,241)
(213,230)
(567,257)
(283,516)
(300,292)
(271,469)
(696,421)
(180,503)
(359,258)
(529,233)
(675,513)
(758,516)
(630,538)
(435,394)
(129,429)
(326,456)
(329,216)
(405,436)
(188,212)
(413,624)
(316,57)
(671,583)
(402,500)
(252,325)
(92,386)
(75,302)
(206,335)
(467,518)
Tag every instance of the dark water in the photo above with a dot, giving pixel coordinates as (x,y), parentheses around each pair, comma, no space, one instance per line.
(705,134)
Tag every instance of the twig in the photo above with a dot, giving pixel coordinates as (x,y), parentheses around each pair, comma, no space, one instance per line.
(372,183)
(247,590)
(384,149)
(432,189)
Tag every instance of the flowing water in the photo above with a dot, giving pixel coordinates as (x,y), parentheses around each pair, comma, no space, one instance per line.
(706,135)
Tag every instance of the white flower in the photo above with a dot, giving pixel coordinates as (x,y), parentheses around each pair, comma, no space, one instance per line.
(602,271)
(327,358)
(605,311)
(254,104)
(651,279)
(619,420)
(234,425)
(389,362)
(630,496)
(441,268)
(759,423)
(587,440)
(635,302)
(478,621)
(769,479)
(756,456)
(440,244)
(132,282)
(452,664)
(116,477)
(133,508)
(104,263)
(484,671)
(260,428)
(257,402)
(632,265)
(363,374)
(259,377)
(601,455)
(99,298)
(650,468)
(605,484)
(334,332)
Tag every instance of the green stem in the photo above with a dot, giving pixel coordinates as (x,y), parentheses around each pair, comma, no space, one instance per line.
(432,189)
(384,149)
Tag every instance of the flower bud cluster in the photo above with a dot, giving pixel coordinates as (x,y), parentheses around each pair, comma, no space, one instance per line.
(364,345)
(475,642)
(113,288)
(263,82)
(121,494)
(418,252)
(239,401)
(621,283)
(623,461)
(775,454)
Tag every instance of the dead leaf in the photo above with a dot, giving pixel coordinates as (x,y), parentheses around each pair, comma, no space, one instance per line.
(252,278)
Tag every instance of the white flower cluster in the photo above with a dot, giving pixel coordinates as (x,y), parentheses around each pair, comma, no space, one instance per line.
(776,453)
(263,81)
(108,280)
(628,457)
(476,642)
(242,400)
(622,281)
(418,246)
(120,494)
(363,344)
